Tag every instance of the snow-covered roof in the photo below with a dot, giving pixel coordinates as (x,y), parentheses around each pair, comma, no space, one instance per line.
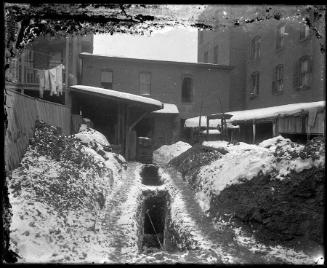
(194,122)
(211,131)
(271,112)
(168,108)
(255,114)
(118,95)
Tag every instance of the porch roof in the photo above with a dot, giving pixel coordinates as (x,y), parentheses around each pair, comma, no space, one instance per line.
(146,103)
(275,111)
(258,114)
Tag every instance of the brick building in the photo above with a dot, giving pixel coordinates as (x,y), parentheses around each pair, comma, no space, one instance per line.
(276,62)
(180,86)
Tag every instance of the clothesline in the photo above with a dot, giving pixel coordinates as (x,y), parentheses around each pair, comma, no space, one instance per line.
(37,52)
(37,69)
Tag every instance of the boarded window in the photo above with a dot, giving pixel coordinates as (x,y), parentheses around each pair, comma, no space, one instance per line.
(145,83)
(215,55)
(254,90)
(106,79)
(187,90)
(280,37)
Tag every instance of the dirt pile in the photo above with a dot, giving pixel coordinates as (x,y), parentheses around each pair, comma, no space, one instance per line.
(289,210)
(275,188)
(190,162)
(57,195)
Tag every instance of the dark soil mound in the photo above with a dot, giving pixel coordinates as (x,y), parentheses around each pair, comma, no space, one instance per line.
(278,210)
(189,162)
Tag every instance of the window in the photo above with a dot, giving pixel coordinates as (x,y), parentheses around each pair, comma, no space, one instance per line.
(215,54)
(205,56)
(304,32)
(303,72)
(254,91)
(187,90)
(200,36)
(145,83)
(280,37)
(278,78)
(106,79)
(255,47)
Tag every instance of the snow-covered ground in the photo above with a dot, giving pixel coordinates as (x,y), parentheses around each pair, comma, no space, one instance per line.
(167,152)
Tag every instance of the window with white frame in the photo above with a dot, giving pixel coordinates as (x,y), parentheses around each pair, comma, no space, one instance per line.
(255,47)
(254,90)
(106,79)
(145,83)
(280,37)
(278,79)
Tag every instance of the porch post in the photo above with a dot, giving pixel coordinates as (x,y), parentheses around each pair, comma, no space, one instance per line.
(253,130)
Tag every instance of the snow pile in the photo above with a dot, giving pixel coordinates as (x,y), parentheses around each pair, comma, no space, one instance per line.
(167,152)
(57,195)
(89,136)
(277,156)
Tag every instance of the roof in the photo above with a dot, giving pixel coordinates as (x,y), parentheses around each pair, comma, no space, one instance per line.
(257,114)
(274,111)
(194,122)
(211,131)
(194,64)
(118,95)
(168,108)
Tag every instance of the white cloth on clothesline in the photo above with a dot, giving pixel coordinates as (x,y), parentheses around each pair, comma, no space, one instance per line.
(53,81)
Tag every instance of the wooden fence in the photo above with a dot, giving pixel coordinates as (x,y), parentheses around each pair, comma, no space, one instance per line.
(22,112)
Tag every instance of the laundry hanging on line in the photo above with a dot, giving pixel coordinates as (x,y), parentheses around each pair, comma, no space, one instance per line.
(51,80)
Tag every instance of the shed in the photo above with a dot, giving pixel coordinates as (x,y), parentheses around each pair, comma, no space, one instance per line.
(114,113)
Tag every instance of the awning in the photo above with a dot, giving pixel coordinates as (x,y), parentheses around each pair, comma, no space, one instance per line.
(211,132)
(274,111)
(146,103)
(257,114)
(168,108)
(213,123)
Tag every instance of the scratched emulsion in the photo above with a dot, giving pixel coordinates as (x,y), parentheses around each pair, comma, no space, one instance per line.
(55,20)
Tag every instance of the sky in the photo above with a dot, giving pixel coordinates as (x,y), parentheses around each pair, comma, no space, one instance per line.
(171,43)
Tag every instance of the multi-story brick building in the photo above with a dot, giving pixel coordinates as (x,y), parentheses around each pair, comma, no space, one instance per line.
(276,62)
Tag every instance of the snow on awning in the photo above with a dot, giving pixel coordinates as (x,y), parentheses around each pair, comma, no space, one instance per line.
(256,114)
(272,112)
(168,108)
(211,132)
(213,123)
(145,102)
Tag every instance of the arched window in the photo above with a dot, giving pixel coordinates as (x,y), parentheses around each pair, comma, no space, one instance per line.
(187,90)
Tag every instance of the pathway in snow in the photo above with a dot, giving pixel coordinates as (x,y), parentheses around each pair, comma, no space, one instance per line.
(113,213)
(223,241)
